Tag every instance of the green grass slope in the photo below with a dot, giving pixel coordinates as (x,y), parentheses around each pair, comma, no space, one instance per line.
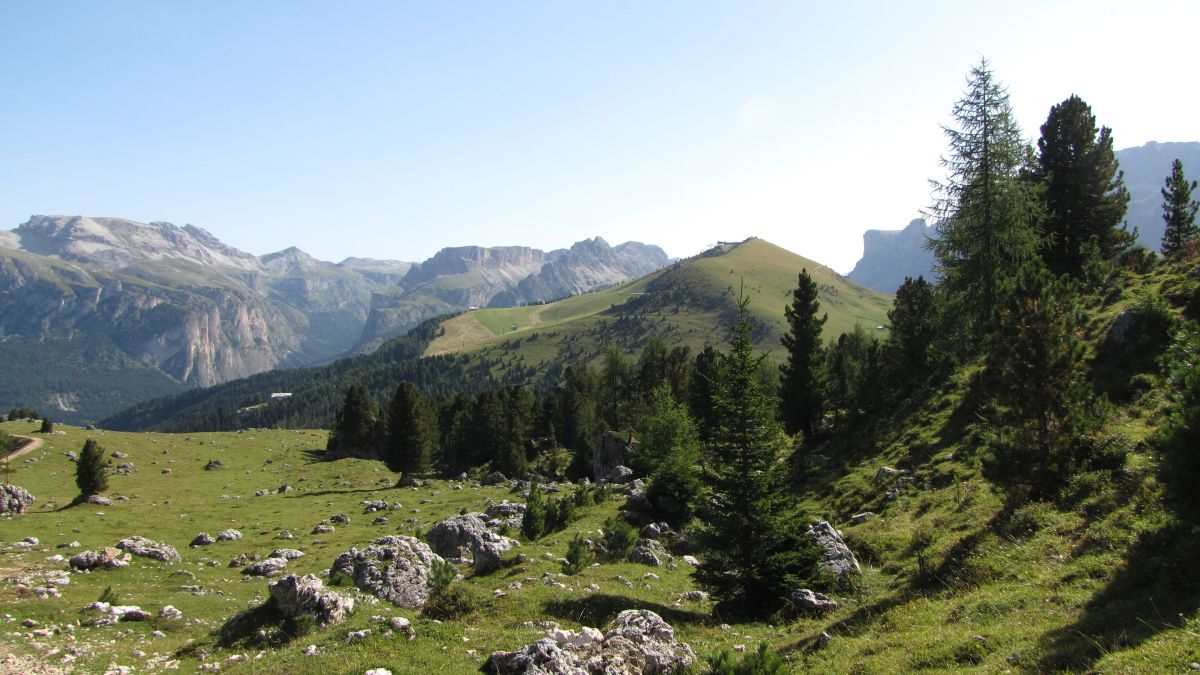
(685,304)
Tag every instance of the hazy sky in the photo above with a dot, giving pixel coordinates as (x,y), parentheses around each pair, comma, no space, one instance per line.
(393,129)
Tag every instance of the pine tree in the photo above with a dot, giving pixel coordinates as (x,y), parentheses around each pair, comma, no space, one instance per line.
(1084,190)
(800,394)
(410,432)
(987,218)
(47,426)
(1179,210)
(756,548)
(1034,370)
(913,331)
(91,469)
(355,424)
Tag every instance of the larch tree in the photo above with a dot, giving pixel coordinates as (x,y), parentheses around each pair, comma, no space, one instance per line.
(987,217)
(1179,210)
(1083,189)
(801,397)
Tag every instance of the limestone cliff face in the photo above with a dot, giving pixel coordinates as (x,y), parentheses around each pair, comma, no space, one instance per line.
(891,255)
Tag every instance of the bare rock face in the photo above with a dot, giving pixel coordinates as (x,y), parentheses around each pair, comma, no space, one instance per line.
(394,568)
(268,567)
(639,641)
(838,558)
(295,595)
(467,537)
(105,558)
(14,500)
(505,513)
(649,552)
(146,548)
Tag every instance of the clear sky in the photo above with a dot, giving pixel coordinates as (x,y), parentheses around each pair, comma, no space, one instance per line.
(393,129)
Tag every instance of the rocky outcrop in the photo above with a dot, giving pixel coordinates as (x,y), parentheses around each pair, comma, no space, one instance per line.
(105,558)
(14,499)
(295,595)
(810,601)
(837,559)
(146,548)
(395,569)
(891,255)
(639,641)
(466,537)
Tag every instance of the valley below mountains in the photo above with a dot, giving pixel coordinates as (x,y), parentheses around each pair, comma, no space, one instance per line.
(99,313)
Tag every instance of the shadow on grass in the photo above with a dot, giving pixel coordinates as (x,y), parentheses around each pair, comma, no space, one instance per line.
(601,608)
(322,493)
(256,627)
(1156,590)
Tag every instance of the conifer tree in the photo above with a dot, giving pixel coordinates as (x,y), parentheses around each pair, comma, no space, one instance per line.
(355,424)
(1083,188)
(913,331)
(669,450)
(756,548)
(410,432)
(800,396)
(1179,210)
(987,218)
(91,469)
(1034,369)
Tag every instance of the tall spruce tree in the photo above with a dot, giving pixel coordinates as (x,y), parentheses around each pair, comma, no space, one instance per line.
(801,398)
(354,426)
(91,469)
(1179,210)
(1083,188)
(757,552)
(410,432)
(987,218)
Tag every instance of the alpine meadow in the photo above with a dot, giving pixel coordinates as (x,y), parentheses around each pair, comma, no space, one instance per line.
(601,459)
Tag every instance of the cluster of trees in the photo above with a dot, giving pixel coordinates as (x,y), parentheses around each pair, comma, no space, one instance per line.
(1025,237)
(15,414)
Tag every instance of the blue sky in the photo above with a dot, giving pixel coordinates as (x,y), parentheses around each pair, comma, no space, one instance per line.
(393,129)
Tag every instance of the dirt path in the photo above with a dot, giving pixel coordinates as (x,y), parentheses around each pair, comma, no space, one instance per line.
(33,444)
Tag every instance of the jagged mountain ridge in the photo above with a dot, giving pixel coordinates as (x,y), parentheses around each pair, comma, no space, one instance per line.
(891,255)
(189,310)
(463,277)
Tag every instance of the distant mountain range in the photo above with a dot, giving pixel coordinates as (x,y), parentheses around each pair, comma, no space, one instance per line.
(97,313)
(891,255)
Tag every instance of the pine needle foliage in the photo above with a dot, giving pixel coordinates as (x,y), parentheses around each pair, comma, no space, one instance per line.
(91,469)
(1179,210)
(756,550)
(801,396)
(410,432)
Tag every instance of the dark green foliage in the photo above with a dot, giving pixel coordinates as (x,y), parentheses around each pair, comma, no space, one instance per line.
(533,523)
(1178,441)
(449,599)
(410,432)
(1179,211)
(1034,372)
(619,537)
(579,555)
(854,367)
(91,469)
(47,426)
(23,414)
(987,219)
(577,424)
(761,661)
(757,551)
(618,386)
(669,447)
(913,323)
(502,421)
(354,428)
(700,391)
(800,397)
(1084,190)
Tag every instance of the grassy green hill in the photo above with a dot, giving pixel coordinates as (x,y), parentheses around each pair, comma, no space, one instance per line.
(685,304)
(1099,577)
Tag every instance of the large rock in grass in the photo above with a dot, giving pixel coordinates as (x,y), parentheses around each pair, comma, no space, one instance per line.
(105,558)
(811,601)
(464,537)
(649,552)
(294,595)
(147,548)
(14,500)
(505,513)
(394,568)
(838,559)
(266,568)
(638,641)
